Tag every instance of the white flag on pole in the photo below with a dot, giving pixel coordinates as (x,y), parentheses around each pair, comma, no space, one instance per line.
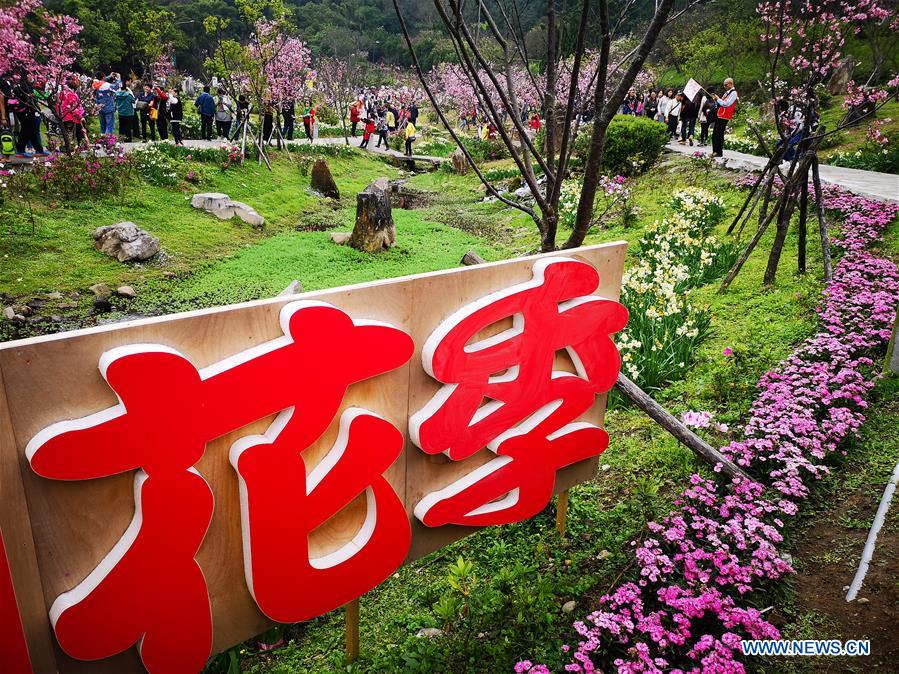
(691,89)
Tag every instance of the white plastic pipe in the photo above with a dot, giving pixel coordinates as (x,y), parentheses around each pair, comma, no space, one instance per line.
(868,552)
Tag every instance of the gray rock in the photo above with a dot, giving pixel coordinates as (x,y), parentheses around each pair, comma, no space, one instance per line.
(9,313)
(126,242)
(429,632)
(55,295)
(102,304)
(100,290)
(340,238)
(224,208)
(125,291)
(568,606)
(23,309)
(293,288)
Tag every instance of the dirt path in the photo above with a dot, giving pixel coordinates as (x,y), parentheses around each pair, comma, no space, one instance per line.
(827,555)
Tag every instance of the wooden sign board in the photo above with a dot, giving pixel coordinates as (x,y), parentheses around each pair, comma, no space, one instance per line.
(55,532)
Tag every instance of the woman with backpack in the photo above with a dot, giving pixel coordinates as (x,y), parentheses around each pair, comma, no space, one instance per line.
(688,115)
(223,110)
(143,105)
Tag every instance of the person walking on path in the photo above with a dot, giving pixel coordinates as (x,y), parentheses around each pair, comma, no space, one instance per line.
(24,106)
(651,107)
(144,102)
(726,106)
(674,110)
(688,115)
(288,114)
(665,100)
(223,112)
(176,114)
(243,109)
(308,119)
(104,97)
(354,116)
(382,130)
(205,105)
(367,131)
(69,110)
(707,109)
(124,105)
(409,133)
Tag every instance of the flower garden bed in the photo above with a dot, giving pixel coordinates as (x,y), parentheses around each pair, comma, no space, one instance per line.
(701,567)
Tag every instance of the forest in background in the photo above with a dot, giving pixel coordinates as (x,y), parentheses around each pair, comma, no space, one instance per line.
(714,40)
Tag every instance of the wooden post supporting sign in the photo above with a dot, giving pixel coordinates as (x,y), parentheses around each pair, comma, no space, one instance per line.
(352,630)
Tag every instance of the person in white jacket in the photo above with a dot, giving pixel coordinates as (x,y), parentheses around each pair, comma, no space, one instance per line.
(664,104)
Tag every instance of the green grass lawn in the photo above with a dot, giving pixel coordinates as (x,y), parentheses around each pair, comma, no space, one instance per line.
(60,254)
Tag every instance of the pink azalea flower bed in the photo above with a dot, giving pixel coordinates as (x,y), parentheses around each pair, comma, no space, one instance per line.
(689,608)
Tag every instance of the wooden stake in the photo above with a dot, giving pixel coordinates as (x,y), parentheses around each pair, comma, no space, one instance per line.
(803,217)
(352,630)
(562,513)
(819,205)
(683,434)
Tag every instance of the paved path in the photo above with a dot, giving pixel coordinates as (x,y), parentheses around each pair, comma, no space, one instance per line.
(870,184)
(354,142)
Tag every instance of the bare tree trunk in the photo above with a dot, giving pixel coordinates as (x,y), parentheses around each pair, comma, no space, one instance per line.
(785,213)
(601,121)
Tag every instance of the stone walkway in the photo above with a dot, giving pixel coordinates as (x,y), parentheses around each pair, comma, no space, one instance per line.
(869,184)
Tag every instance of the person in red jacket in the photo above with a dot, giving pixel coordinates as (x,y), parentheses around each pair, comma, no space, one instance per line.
(354,116)
(367,132)
(726,106)
(69,109)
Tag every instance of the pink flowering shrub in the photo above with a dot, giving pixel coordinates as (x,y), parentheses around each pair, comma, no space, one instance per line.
(687,611)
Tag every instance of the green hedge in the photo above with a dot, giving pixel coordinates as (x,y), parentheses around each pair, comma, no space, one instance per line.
(632,145)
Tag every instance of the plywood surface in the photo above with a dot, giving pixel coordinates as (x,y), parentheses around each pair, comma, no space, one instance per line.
(69,526)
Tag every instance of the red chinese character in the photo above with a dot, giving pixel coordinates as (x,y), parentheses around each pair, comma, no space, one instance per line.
(529,419)
(149,588)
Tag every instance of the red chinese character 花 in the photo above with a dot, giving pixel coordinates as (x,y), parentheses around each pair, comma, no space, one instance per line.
(149,588)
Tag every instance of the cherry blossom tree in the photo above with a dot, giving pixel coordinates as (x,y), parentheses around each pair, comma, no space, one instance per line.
(504,84)
(340,80)
(805,40)
(48,54)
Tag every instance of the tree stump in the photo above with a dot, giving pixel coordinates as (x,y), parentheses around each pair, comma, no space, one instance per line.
(322,181)
(374,230)
(459,162)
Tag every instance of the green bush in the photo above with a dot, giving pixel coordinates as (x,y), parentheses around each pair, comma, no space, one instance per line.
(632,145)
(883,160)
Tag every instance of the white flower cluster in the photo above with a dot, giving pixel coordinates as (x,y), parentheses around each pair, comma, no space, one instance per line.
(674,255)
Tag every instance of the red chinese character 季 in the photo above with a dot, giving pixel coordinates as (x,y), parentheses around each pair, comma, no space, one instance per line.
(528,420)
(149,588)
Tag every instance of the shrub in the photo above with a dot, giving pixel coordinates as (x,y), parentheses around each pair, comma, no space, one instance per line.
(883,160)
(632,145)
(104,169)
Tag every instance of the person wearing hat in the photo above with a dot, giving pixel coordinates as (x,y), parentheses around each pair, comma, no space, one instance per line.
(726,106)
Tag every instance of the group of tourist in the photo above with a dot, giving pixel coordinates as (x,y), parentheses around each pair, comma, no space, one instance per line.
(383,113)
(680,113)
